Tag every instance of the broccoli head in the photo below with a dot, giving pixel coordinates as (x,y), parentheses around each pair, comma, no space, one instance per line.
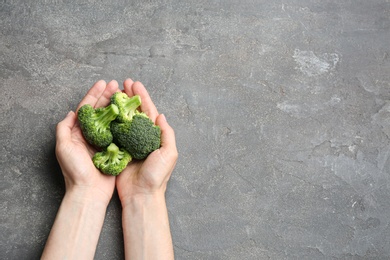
(127,105)
(112,160)
(95,124)
(139,137)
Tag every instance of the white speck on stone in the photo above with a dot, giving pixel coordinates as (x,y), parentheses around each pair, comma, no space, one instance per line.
(288,108)
(313,65)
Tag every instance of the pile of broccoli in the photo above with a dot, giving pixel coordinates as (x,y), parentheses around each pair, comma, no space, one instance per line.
(120,131)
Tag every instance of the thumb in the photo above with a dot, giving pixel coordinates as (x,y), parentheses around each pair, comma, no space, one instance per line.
(168,141)
(64,128)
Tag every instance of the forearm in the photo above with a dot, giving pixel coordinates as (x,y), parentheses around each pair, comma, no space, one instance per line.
(76,229)
(146,228)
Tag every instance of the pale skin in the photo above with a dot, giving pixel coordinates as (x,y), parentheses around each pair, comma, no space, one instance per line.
(141,188)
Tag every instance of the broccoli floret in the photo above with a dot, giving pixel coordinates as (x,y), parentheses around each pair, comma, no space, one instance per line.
(111,161)
(139,137)
(95,124)
(127,105)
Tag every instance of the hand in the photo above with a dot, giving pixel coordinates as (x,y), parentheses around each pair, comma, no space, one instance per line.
(141,189)
(76,229)
(151,175)
(74,153)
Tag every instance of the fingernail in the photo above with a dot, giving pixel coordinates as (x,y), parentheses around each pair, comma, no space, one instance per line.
(163,117)
(70,113)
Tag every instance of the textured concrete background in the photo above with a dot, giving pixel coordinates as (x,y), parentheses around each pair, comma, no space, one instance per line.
(281,111)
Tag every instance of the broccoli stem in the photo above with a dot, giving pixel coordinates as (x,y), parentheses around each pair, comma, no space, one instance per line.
(104,116)
(112,149)
(131,105)
(114,154)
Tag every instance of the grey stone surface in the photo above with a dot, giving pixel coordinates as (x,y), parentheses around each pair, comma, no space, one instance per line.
(281,111)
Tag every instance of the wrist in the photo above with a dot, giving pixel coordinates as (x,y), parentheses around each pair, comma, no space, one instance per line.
(77,227)
(85,195)
(142,199)
(146,227)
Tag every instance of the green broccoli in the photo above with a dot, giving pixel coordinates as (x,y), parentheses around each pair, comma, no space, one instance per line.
(139,137)
(95,124)
(127,105)
(111,161)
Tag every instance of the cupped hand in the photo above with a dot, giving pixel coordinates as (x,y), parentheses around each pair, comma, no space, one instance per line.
(149,176)
(74,153)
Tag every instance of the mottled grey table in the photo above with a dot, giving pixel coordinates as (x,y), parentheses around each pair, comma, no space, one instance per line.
(281,111)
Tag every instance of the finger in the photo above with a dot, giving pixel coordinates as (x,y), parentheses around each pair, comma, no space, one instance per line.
(93,94)
(110,89)
(127,87)
(64,128)
(147,105)
(168,141)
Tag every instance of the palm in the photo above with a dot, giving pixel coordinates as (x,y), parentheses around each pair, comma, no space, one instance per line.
(74,153)
(143,177)
(79,169)
(152,174)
